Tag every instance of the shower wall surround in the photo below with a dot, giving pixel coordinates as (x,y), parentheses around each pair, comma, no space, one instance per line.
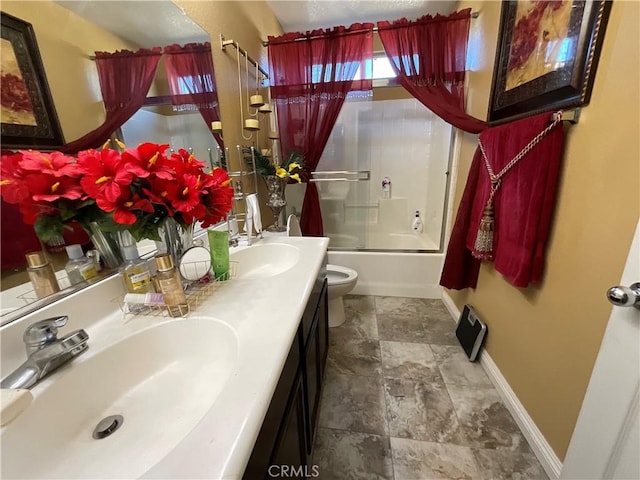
(399,139)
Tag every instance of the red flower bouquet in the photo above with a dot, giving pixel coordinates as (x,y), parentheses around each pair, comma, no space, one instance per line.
(134,190)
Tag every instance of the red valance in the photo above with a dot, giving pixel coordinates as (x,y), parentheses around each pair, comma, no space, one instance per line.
(125,78)
(191,81)
(429,57)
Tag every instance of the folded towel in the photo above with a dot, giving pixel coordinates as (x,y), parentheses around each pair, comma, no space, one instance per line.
(523,205)
(248,219)
(252,203)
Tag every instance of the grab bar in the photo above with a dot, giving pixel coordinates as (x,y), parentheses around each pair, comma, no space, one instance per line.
(357,176)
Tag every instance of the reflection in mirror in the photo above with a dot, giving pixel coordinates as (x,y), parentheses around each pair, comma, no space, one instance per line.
(66,40)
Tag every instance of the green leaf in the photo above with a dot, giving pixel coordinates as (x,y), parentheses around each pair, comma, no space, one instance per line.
(48,227)
(263,163)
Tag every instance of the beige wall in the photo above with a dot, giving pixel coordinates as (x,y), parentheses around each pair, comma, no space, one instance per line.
(545,338)
(66,41)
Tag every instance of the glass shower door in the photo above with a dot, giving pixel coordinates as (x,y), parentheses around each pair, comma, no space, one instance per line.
(343,178)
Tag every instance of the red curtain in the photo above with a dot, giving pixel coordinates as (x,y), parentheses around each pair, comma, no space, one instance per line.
(429,57)
(125,78)
(191,81)
(312,74)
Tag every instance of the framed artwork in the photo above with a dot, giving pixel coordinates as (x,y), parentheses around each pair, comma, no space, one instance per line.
(28,114)
(547,56)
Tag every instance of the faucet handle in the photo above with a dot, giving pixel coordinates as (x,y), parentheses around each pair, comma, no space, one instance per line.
(41,333)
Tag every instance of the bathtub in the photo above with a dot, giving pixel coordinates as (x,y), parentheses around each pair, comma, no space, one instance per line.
(394,274)
(373,240)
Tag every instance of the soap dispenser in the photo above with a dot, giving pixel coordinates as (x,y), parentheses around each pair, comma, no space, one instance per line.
(416,224)
(79,268)
(386,188)
(135,272)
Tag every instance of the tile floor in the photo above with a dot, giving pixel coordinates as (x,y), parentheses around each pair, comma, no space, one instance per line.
(401,401)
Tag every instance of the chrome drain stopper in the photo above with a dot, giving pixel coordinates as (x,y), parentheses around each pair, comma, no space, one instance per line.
(107,426)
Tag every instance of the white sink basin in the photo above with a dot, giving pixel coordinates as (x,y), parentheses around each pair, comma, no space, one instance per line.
(162,381)
(265,260)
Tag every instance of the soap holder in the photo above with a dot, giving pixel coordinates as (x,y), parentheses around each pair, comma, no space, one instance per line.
(197,292)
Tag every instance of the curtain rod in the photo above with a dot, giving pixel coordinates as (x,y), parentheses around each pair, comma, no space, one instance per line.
(265,43)
(224,43)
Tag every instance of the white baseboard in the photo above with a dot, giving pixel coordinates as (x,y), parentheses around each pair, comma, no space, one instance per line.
(543,451)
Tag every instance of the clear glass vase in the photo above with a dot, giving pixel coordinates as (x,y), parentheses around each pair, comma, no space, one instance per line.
(276,200)
(175,239)
(106,243)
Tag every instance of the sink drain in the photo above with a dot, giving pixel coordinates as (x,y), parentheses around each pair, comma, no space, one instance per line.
(107,426)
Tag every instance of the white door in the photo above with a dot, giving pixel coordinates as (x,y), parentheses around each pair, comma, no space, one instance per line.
(606,441)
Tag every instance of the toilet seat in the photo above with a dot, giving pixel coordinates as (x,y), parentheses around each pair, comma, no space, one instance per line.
(338,275)
(340,280)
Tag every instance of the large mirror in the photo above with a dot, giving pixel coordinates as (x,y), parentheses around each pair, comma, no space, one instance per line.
(68,32)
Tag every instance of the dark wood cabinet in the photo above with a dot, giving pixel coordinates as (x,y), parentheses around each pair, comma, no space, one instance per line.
(315,358)
(285,443)
(290,455)
(267,438)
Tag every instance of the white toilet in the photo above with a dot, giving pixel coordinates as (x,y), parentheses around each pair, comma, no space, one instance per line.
(340,280)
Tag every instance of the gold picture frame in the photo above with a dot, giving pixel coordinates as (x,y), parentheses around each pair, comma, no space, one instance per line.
(547,56)
(29,118)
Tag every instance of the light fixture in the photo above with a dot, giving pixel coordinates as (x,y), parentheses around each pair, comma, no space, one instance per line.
(251,124)
(216,127)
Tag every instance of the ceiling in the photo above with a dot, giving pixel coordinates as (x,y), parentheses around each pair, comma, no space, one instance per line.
(166,22)
(303,15)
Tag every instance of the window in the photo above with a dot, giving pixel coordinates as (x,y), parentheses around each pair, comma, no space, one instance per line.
(193,84)
(382,66)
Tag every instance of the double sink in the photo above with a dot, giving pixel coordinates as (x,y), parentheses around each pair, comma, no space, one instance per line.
(157,397)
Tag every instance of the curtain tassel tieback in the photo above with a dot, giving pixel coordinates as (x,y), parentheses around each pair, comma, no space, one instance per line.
(483,246)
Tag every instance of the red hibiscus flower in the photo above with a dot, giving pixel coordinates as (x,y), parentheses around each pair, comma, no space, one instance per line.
(55,163)
(106,173)
(44,187)
(125,208)
(151,159)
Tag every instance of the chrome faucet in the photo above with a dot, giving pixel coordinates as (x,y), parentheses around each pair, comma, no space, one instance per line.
(45,352)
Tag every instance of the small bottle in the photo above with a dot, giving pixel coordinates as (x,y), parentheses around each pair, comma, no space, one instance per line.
(94,255)
(41,274)
(135,272)
(79,268)
(233,229)
(386,188)
(416,224)
(170,285)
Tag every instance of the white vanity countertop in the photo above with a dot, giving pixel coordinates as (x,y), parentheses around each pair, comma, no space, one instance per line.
(263,312)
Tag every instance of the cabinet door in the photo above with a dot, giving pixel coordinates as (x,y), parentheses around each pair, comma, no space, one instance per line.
(323,331)
(290,457)
(314,361)
(312,383)
(272,424)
